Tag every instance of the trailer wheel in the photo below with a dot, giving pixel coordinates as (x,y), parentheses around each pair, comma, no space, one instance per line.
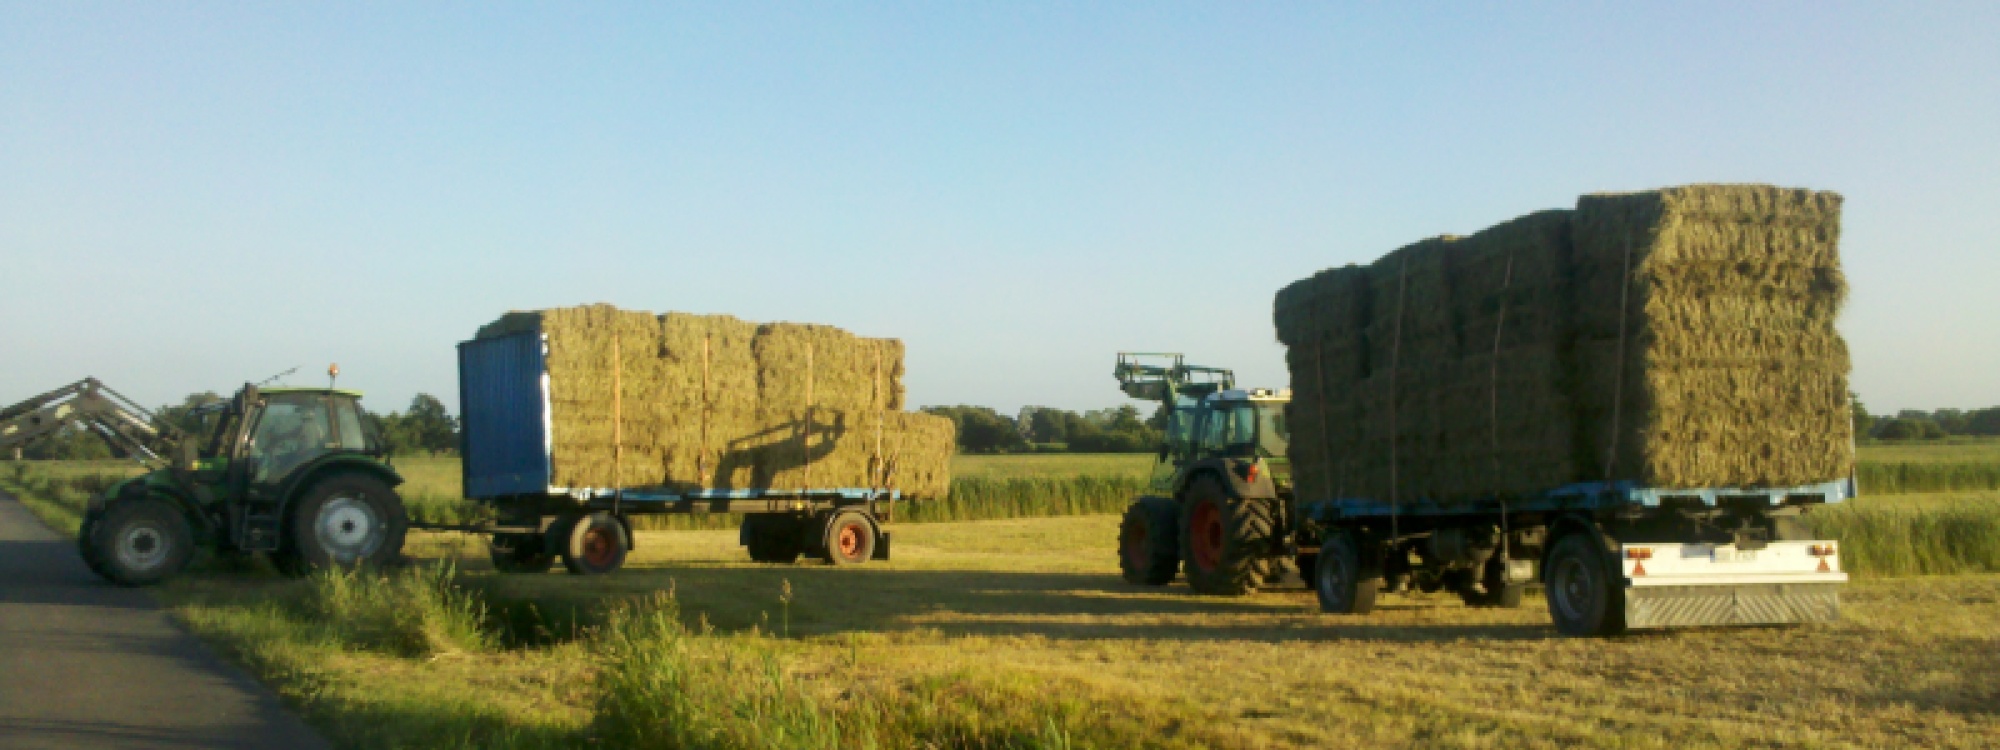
(850,539)
(772,538)
(1585,596)
(141,542)
(519,553)
(1149,546)
(595,544)
(345,520)
(1225,541)
(1344,581)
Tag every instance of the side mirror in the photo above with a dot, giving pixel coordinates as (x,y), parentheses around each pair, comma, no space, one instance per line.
(1164,448)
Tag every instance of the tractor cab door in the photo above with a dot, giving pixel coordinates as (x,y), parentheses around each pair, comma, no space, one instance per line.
(291,431)
(1178,447)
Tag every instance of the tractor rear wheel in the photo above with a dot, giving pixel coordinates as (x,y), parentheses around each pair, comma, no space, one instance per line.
(345,520)
(1225,541)
(772,538)
(595,544)
(1149,544)
(519,553)
(140,542)
(1344,578)
(850,539)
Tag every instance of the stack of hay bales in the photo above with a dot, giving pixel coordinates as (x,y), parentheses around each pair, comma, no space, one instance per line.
(1724,297)
(1490,365)
(710,401)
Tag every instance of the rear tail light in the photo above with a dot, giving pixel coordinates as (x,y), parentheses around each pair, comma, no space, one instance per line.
(1822,550)
(1638,553)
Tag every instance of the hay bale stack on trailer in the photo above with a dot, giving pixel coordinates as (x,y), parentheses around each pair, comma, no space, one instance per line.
(1658,366)
(638,412)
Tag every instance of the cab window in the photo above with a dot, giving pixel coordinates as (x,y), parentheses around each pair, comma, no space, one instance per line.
(293,429)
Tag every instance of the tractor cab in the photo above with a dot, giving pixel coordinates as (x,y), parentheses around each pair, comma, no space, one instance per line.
(1241,431)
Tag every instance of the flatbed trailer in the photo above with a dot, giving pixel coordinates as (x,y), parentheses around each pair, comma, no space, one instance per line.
(1611,556)
(505,441)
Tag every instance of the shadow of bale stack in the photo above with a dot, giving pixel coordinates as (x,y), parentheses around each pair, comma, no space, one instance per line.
(688,402)
(1490,365)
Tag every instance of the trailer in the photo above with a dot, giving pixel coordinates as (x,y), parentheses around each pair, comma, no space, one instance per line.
(506,439)
(1611,556)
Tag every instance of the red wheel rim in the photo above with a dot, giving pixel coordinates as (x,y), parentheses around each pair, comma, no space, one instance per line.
(1135,547)
(600,548)
(1205,530)
(849,541)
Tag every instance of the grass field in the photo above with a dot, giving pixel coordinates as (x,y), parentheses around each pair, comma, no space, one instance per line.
(1018,633)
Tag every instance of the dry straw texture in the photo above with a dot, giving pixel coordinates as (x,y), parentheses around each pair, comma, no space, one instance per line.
(710,401)
(1680,338)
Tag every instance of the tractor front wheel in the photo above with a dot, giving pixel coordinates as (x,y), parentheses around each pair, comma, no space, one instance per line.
(140,542)
(1226,541)
(1149,546)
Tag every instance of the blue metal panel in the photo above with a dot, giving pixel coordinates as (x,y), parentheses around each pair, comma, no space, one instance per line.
(504,435)
(1580,496)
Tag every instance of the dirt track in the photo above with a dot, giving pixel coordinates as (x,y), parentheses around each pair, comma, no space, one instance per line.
(84,664)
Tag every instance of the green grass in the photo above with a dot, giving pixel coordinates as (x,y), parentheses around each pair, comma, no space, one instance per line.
(1911,535)
(1946,450)
(1018,633)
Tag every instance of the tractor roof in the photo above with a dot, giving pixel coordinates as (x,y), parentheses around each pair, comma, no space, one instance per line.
(295,389)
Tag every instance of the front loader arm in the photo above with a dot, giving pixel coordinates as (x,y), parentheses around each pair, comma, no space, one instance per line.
(89,403)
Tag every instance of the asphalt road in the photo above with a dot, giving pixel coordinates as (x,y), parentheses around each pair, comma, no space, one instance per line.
(85,664)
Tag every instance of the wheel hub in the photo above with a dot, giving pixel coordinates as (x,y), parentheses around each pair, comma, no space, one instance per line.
(348,528)
(850,541)
(142,548)
(598,547)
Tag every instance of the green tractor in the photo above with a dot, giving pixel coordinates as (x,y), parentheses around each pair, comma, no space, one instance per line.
(1221,505)
(295,473)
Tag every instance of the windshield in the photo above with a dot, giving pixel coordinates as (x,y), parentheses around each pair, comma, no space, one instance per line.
(1246,429)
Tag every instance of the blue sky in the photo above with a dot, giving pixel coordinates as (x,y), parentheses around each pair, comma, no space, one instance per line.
(194,195)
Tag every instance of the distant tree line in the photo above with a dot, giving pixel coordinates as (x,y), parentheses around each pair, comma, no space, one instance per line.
(1917,424)
(1042,429)
(426,427)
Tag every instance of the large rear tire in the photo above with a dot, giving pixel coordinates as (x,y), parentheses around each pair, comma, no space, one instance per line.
(1344,579)
(596,544)
(1149,545)
(345,520)
(1586,595)
(141,542)
(1225,541)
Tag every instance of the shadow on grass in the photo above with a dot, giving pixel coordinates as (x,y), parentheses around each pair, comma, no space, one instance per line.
(828,601)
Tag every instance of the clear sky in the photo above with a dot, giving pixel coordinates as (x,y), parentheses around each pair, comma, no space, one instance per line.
(197,194)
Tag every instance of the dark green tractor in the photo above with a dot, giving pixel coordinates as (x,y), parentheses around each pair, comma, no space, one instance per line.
(298,474)
(1220,509)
